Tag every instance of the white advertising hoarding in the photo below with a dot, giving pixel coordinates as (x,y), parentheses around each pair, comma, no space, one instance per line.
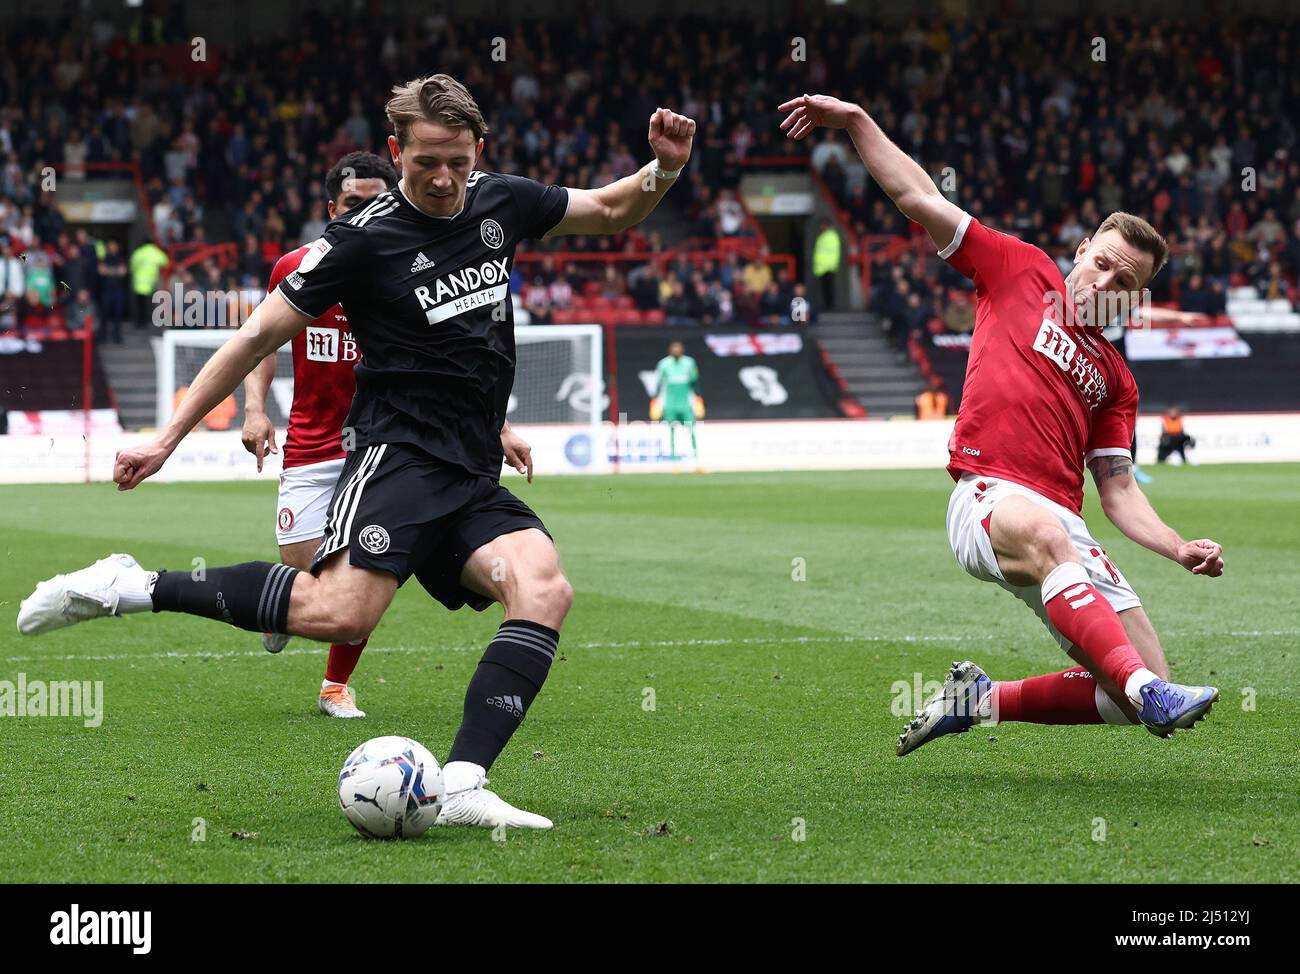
(644,448)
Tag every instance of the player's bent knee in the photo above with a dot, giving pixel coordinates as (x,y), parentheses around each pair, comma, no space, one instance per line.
(348,625)
(1050,544)
(547,595)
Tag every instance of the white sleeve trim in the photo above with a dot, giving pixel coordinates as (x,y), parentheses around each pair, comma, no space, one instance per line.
(292,305)
(1108,451)
(951,249)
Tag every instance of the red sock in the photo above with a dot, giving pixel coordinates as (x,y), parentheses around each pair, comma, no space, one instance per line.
(1068,697)
(1082,615)
(343,660)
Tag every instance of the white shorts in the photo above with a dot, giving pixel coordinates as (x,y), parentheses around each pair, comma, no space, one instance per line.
(969,508)
(305,493)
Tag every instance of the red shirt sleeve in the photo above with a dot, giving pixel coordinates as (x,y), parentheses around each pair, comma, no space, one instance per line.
(285,266)
(1112,427)
(987,257)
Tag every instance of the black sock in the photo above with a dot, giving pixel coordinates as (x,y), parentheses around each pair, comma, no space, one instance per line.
(508,677)
(252,596)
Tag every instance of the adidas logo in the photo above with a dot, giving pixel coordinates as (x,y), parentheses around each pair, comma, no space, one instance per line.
(511,704)
(422,263)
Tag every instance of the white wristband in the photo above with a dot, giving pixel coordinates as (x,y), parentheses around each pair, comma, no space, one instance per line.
(662,173)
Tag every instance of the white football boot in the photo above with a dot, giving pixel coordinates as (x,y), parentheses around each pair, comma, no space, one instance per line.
(90,593)
(486,809)
(338,700)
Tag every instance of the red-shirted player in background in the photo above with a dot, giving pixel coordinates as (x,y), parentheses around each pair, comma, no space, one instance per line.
(1045,395)
(324,357)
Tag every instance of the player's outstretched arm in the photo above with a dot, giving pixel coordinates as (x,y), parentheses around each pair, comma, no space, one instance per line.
(259,431)
(627,201)
(1129,510)
(272,323)
(906,183)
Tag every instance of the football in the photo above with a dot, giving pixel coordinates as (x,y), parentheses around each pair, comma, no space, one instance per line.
(391,788)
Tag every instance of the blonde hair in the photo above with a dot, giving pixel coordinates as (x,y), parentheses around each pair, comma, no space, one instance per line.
(1140,234)
(438,98)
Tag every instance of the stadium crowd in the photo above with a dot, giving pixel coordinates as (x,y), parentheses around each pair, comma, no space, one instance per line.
(1189,125)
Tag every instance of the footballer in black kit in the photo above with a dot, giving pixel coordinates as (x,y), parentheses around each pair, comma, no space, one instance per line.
(428,301)
(423,273)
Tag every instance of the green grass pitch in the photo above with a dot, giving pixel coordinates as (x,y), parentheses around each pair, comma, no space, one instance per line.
(768,754)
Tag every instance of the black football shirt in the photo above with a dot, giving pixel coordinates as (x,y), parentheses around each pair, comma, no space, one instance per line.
(428,300)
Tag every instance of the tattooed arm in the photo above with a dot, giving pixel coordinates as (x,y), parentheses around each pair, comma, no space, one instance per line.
(1131,512)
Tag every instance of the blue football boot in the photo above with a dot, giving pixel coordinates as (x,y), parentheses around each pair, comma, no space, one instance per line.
(1167,707)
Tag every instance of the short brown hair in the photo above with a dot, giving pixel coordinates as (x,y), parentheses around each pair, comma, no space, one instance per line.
(1140,234)
(438,98)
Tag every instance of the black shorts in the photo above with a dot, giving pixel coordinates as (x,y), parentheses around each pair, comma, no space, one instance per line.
(397,509)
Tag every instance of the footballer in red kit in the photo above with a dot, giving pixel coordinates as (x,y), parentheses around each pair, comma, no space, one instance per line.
(1045,395)
(324,357)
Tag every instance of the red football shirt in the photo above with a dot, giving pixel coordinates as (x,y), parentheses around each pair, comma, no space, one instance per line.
(1042,396)
(324,355)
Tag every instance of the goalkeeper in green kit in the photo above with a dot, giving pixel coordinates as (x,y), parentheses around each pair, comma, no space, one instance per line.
(675,400)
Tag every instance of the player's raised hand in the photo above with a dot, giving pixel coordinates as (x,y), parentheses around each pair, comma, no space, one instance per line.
(259,436)
(517,453)
(808,112)
(138,463)
(671,136)
(1201,557)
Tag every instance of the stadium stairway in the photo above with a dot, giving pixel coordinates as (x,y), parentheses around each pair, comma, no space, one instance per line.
(133,376)
(881,377)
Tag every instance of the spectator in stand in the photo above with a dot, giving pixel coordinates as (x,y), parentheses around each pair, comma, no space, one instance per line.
(916,317)
(772,310)
(721,301)
(112,292)
(1270,283)
(703,304)
(1195,296)
(1268,232)
(73,271)
(800,309)
(81,312)
(33,313)
(252,263)
(40,276)
(561,292)
(643,284)
(730,215)
(13,282)
(678,308)
(756,276)
(537,299)
(1218,299)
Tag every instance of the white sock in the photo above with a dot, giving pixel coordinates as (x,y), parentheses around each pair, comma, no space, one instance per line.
(1063,576)
(135,591)
(1136,682)
(1109,710)
(985,711)
(462,775)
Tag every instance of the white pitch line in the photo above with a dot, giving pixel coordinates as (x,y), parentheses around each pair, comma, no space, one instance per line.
(633,644)
(321,647)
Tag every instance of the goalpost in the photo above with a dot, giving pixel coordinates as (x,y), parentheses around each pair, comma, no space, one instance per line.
(559,376)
